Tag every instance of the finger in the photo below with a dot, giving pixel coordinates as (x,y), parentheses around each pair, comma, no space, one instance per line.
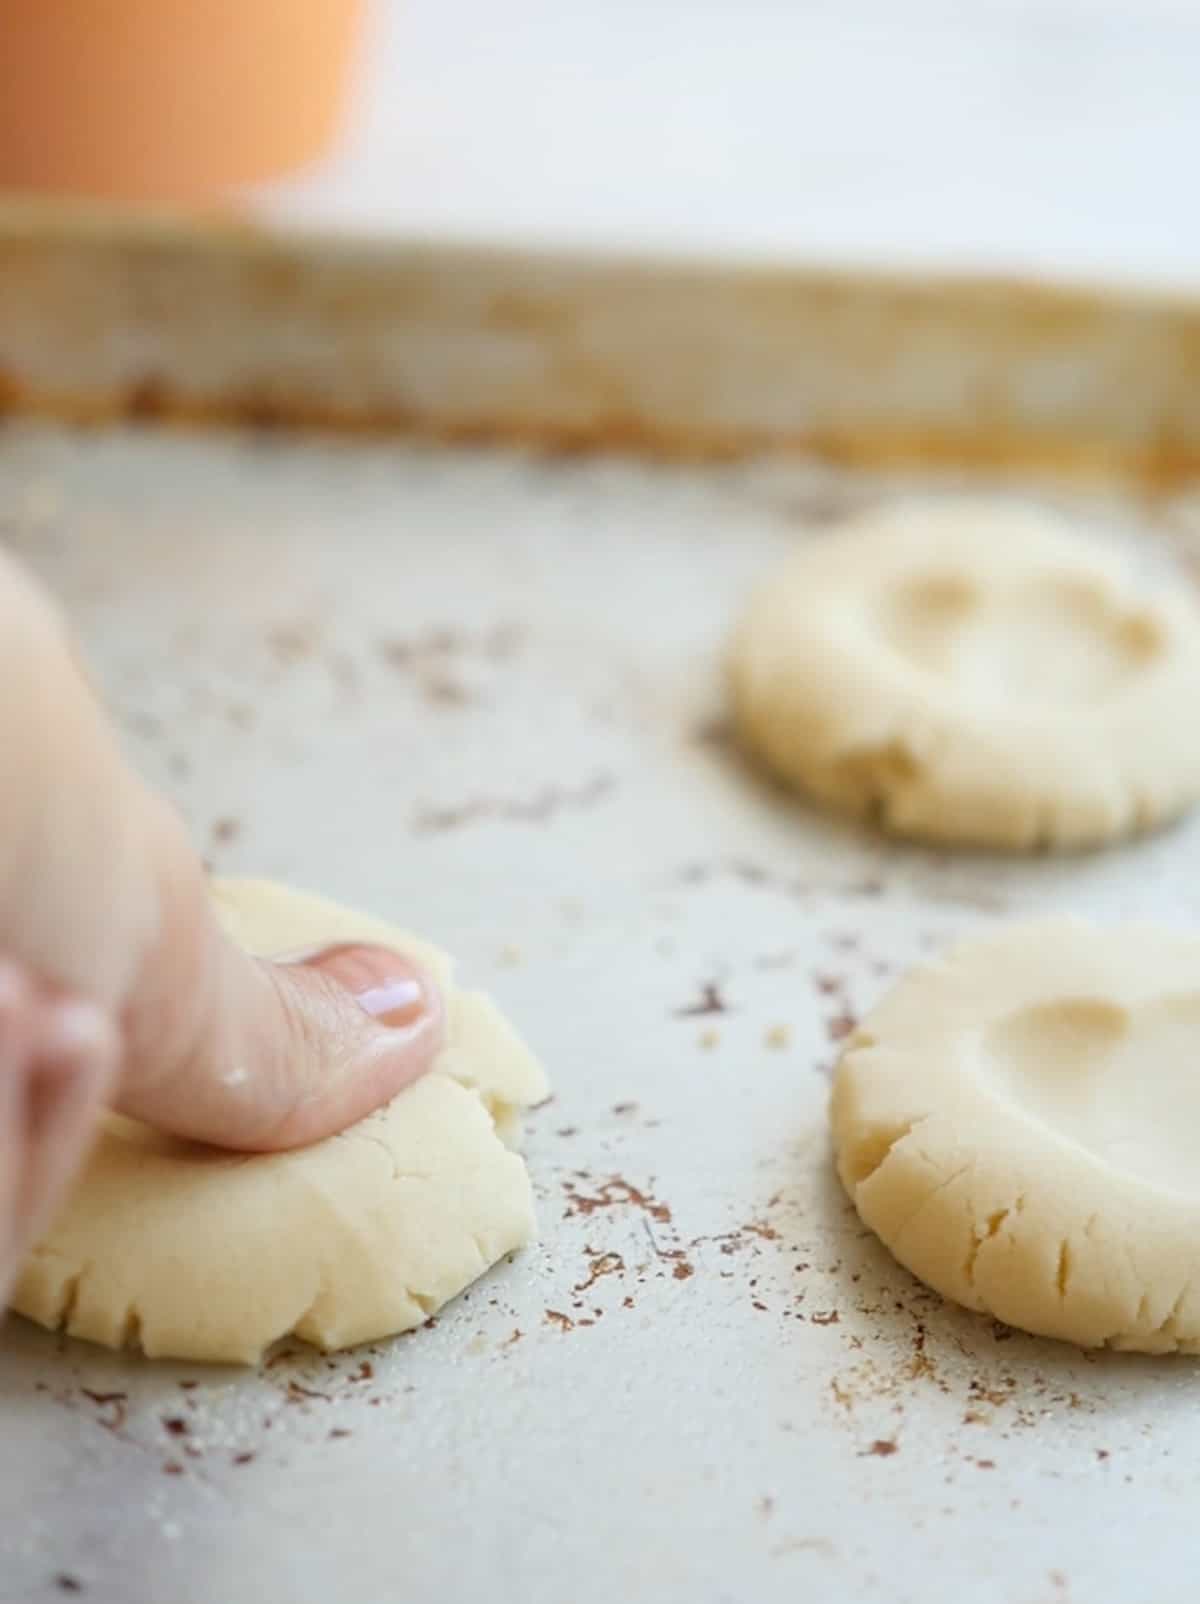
(15,1063)
(291,1052)
(75,1053)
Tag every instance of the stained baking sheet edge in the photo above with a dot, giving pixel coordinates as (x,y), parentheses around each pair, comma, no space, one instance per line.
(103,315)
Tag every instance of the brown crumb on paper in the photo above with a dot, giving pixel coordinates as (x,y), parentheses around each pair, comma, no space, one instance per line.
(613,1192)
(116,1402)
(537,809)
(710,1001)
(604,1264)
(881,1448)
(443,691)
(842,1024)
(295,1393)
(290,643)
(716,731)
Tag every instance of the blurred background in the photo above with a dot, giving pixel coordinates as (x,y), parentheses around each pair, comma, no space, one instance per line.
(1055,137)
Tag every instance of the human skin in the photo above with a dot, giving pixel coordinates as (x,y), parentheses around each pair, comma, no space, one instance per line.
(116,985)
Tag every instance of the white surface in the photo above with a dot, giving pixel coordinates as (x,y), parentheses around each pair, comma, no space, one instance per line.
(1043,136)
(535,783)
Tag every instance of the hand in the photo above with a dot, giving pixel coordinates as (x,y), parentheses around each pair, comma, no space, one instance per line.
(116,983)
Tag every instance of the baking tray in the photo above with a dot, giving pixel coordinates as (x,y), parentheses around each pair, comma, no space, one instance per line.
(477,689)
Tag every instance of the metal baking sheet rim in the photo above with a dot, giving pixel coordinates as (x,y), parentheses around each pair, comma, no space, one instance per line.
(104,315)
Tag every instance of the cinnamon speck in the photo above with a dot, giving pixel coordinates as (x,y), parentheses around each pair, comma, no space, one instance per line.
(66,1583)
(444,691)
(828,1317)
(537,809)
(225,830)
(710,1001)
(295,1392)
(115,1402)
(768,1233)
(176,1425)
(881,1448)
(603,1264)
(611,1193)
(683,1271)
(562,1321)
(842,1024)
(714,731)
(624,1108)
(339,1431)
(172,1468)
(244,1458)
(291,642)
(104,1397)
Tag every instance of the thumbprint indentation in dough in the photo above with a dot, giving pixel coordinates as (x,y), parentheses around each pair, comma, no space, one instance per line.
(1122,1083)
(1049,638)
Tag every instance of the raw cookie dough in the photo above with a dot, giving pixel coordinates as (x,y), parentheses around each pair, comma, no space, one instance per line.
(969,672)
(191,1253)
(1020,1124)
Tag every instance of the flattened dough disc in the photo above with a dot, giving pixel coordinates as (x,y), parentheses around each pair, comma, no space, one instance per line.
(1020,1124)
(969,672)
(190,1253)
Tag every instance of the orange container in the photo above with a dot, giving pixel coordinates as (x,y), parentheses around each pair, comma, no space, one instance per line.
(170,101)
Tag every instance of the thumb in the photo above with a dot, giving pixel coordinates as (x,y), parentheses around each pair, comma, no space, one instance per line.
(279,1054)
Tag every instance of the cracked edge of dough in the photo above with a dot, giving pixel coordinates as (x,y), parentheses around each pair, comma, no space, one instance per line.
(1000,1225)
(483,1056)
(895,760)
